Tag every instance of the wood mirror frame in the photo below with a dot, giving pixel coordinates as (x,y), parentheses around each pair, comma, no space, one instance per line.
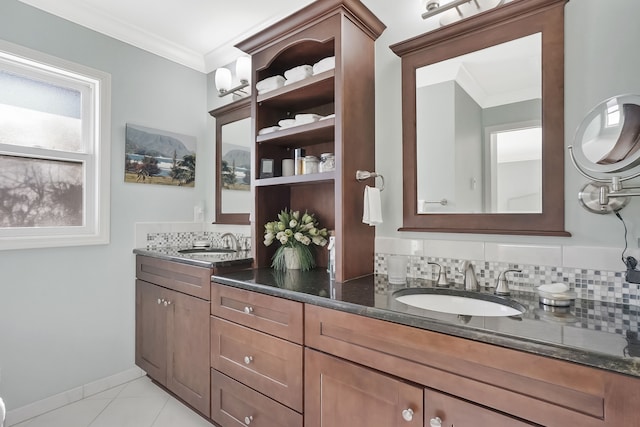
(514,20)
(226,114)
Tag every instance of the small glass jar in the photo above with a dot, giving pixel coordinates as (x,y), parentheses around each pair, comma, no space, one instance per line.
(311,164)
(327,162)
(298,158)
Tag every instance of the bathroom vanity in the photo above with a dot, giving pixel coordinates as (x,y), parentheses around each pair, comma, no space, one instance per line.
(292,349)
(172,320)
(413,367)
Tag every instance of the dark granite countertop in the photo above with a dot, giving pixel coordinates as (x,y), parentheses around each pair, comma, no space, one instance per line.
(207,260)
(592,333)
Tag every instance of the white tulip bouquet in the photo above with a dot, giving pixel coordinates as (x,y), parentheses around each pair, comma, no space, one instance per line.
(296,232)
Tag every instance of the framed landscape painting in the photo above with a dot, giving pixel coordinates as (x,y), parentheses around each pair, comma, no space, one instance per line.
(155,156)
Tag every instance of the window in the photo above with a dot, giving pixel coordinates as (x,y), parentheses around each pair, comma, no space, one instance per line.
(54,151)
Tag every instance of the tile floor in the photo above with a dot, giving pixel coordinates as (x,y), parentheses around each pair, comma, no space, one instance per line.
(139,403)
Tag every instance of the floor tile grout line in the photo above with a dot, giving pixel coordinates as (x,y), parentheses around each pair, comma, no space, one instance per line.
(104,409)
(160,411)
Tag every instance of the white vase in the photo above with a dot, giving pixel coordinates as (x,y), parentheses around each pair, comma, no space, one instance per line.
(292,258)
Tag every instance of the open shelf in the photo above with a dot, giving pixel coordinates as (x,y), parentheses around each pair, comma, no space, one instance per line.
(312,91)
(307,134)
(296,179)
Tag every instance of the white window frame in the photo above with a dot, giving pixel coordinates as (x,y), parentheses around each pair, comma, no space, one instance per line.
(96,88)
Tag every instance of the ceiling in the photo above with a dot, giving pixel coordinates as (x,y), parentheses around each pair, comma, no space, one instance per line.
(199,34)
(498,75)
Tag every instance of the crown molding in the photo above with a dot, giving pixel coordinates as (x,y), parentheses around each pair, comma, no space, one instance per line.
(97,20)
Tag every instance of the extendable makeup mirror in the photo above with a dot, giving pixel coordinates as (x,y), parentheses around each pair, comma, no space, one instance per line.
(606,151)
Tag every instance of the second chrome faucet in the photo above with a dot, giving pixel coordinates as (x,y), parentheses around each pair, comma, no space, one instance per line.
(470,279)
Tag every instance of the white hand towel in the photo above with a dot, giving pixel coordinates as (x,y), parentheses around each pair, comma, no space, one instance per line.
(270,129)
(3,412)
(324,65)
(287,123)
(302,119)
(270,83)
(372,210)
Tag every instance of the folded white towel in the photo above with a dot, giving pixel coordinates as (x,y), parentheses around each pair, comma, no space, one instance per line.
(302,119)
(330,116)
(270,83)
(298,73)
(324,65)
(372,210)
(287,123)
(268,130)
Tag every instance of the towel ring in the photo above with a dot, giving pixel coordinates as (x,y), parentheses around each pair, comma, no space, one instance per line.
(362,175)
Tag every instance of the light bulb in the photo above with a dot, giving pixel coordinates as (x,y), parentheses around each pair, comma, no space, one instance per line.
(223,79)
(243,69)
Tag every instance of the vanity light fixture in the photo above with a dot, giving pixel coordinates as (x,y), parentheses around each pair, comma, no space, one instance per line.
(224,79)
(463,9)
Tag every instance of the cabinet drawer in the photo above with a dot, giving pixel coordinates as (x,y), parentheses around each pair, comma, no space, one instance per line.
(188,279)
(233,404)
(265,363)
(456,412)
(535,388)
(275,316)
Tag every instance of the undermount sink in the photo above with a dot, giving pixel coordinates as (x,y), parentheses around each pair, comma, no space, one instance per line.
(205,251)
(466,303)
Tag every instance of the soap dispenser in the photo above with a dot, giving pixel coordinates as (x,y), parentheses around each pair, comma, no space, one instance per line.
(331,247)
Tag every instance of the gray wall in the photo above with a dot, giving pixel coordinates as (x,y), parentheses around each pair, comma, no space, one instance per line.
(601,61)
(67,314)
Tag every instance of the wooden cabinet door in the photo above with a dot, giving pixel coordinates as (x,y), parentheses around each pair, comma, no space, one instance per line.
(188,349)
(447,411)
(151,330)
(340,393)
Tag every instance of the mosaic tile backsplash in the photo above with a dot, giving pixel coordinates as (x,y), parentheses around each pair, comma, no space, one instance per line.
(186,239)
(596,285)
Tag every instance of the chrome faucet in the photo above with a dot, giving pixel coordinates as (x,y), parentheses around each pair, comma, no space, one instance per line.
(234,241)
(470,280)
(502,285)
(442,275)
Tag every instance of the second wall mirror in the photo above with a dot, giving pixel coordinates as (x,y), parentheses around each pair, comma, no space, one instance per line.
(483,123)
(233,162)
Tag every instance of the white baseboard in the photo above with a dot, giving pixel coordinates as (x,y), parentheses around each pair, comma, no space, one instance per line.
(59,400)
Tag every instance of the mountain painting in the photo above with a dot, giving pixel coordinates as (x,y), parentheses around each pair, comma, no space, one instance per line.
(154,156)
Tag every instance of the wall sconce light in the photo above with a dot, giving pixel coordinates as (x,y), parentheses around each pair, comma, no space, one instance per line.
(224,79)
(463,9)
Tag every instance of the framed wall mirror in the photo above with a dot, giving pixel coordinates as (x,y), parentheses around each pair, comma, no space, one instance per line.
(483,123)
(233,162)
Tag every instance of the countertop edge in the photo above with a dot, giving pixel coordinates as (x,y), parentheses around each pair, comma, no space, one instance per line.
(154,253)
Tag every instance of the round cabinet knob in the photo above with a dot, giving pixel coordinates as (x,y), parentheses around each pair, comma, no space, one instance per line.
(166,303)
(407,414)
(435,422)
(248,359)
(159,301)
(248,310)
(247,420)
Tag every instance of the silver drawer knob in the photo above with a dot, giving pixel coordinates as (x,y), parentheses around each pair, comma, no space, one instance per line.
(407,414)
(435,422)
(159,301)
(248,359)
(247,420)
(248,309)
